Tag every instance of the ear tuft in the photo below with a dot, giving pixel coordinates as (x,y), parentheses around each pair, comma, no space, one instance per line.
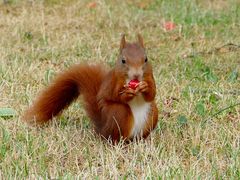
(140,40)
(123,42)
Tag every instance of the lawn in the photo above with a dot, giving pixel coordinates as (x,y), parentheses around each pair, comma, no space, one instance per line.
(196,68)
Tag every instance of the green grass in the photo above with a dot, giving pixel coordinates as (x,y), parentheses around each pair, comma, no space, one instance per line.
(197,77)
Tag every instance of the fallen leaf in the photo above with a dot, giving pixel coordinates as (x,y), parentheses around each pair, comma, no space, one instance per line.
(92,5)
(169,26)
(7,112)
(182,120)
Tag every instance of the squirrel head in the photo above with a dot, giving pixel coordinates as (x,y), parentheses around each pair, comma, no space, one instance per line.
(132,60)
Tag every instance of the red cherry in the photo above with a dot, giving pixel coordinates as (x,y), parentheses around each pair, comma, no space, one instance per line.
(133,84)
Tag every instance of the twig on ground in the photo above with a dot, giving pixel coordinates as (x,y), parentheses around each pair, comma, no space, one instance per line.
(220,111)
(229,47)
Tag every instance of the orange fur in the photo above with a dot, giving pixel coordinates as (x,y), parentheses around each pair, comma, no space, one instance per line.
(79,79)
(105,94)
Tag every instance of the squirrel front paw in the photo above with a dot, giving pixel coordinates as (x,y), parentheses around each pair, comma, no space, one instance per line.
(127,94)
(146,90)
(142,87)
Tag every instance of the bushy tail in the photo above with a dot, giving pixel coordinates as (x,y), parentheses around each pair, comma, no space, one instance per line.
(79,79)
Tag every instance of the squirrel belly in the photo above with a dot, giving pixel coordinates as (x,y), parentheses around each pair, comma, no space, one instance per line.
(140,111)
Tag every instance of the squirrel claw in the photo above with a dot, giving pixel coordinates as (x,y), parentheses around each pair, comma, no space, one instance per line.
(143,87)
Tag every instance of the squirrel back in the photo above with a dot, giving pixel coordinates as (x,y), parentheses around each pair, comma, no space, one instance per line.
(115,109)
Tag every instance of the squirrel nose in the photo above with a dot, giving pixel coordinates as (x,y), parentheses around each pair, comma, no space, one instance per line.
(136,76)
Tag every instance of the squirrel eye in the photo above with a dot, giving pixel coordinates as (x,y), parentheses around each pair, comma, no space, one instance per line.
(146,59)
(123,61)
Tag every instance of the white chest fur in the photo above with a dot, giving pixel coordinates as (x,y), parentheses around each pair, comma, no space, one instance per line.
(140,109)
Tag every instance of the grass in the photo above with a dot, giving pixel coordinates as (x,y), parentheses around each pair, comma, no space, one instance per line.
(198,93)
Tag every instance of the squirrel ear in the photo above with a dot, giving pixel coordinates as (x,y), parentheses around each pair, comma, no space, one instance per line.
(140,40)
(123,42)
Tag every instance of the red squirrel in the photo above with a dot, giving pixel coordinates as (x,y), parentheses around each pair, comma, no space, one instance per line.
(115,110)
